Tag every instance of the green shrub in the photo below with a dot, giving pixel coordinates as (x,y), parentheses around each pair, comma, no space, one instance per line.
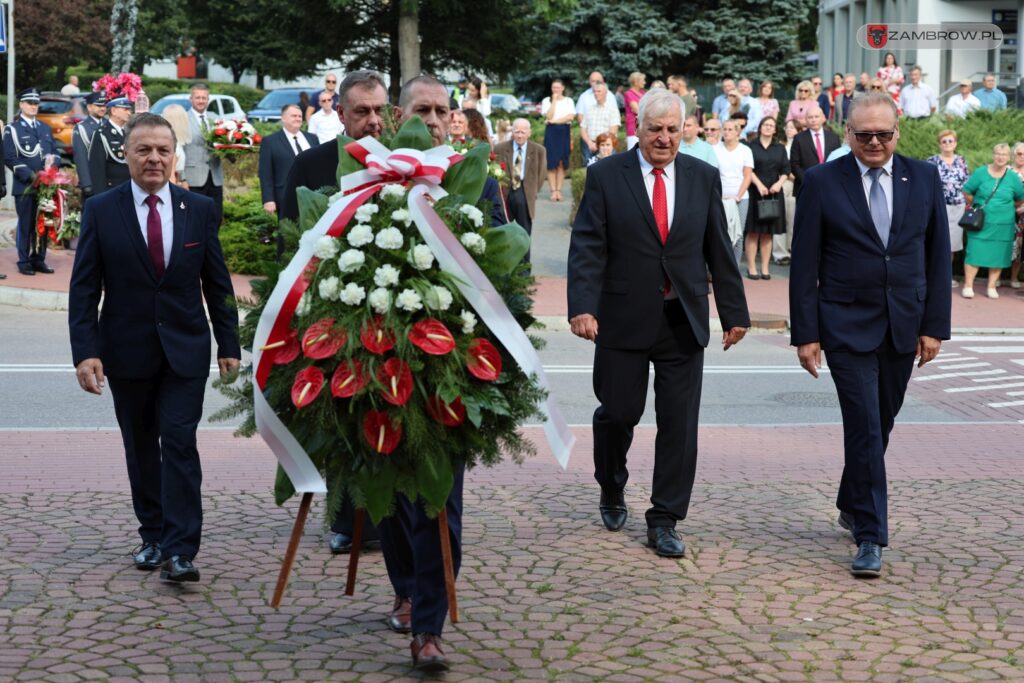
(246,225)
(577,179)
(239,175)
(159,87)
(976,134)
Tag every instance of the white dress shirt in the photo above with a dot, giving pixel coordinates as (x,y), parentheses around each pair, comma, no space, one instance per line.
(205,116)
(166,211)
(298,137)
(884,179)
(917,101)
(670,185)
(326,126)
(958,105)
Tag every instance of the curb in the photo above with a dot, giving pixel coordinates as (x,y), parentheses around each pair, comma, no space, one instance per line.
(39,299)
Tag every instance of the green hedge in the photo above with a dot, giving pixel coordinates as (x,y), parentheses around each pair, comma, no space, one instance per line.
(246,223)
(577,180)
(976,135)
(159,87)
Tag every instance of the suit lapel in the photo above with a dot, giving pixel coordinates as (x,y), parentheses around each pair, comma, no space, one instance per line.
(901,182)
(179,208)
(854,186)
(131,223)
(635,182)
(683,184)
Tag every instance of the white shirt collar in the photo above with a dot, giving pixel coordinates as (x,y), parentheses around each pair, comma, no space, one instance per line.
(864,169)
(139,195)
(646,167)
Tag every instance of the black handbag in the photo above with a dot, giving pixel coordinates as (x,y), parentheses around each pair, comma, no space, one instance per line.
(973,219)
(769,208)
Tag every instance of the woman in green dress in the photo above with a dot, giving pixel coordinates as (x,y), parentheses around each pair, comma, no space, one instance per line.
(992,246)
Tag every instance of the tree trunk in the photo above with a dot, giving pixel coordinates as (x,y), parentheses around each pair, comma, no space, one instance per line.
(236,73)
(409,38)
(261,79)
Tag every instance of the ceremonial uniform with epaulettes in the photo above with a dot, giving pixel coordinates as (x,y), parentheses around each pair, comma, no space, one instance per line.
(81,142)
(108,166)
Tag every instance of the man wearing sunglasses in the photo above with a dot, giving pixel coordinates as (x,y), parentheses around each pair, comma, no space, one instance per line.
(869,285)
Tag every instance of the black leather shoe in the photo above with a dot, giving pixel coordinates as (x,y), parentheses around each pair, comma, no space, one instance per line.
(665,541)
(340,543)
(868,563)
(400,618)
(846,521)
(148,557)
(41,268)
(26,271)
(179,569)
(613,510)
(427,655)
(3,276)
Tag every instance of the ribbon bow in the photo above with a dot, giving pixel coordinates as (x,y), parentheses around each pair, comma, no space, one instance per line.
(384,166)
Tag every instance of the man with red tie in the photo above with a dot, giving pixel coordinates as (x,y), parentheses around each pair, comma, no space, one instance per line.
(649,229)
(811,146)
(151,249)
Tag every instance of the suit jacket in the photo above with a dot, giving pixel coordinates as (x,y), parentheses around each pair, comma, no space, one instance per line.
(618,265)
(277,155)
(803,156)
(318,167)
(199,165)
(847,290)
(81,142)
(145,319)
(536,169)
(108,166)
(25,150)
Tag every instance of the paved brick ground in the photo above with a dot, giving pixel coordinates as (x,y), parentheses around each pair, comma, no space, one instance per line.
(545,593)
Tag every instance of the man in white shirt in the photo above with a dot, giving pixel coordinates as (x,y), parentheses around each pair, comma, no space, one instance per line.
(917,100)
(325,124)
(586,98)
(735,166)
(752,104)
(70,88)
(601,117)
(963,102)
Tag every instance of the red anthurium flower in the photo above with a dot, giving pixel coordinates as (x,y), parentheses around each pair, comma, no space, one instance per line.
(376,338)
(396,377)
(285,350)
(431,336)
(257,138)
(484,360)
(449,414)
(220,131)
(381,432)
(322,339)
(307,386)
(348,379)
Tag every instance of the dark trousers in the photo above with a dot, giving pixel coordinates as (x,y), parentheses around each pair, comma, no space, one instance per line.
(31,245)
(158,417)
(519,211)
(344,522)
(412,552)
(214,192)
(620,384)
(871,387)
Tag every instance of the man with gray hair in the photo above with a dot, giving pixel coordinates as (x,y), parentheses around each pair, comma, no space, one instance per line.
(649,228)
(991,97)
(917,99)
(525,164)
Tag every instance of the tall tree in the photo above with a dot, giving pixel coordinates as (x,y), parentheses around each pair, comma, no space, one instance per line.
(162,32)
(83,36)
(409,38)
(123,19)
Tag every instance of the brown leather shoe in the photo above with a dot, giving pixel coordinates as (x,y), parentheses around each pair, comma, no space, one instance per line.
(400,619)
(427,654)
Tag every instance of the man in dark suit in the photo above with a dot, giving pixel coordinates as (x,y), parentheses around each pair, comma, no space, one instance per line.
(108,163)
(277,154)
(869,285)
(29,148)
(525,165)
(81,139)
(812,146)
(151,249)
(650,227)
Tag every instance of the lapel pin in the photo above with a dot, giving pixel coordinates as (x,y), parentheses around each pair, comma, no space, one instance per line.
(903,179)
(182,205)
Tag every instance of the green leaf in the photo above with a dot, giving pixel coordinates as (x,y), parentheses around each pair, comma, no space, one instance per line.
(413,134)
(466,179)
(311,206)
(473,411)
(283,488)
(507,245)
(346,162)
(434,479)
(375,491)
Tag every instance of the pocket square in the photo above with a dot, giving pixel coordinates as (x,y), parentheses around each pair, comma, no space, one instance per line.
(189,245)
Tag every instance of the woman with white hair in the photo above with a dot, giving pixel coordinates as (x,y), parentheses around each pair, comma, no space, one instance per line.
(803,102)
(176,115)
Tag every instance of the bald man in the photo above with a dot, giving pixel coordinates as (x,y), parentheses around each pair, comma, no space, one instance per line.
(811,146)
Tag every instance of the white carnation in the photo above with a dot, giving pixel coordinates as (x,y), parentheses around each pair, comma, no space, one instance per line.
(438,298)
(392,191)
(365,212)
(385,276)
(308,240)
(474,214)
(358,235)
(402,216)
(420,257)
(326,247)
(409,300)
(380,300)
(305,303)
(468,321)
(474,242)
(389,238)
(351,260)
(226,124)
(329,288)
(352,295)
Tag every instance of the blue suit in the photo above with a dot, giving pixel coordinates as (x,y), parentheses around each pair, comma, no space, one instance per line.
(154,341)
(25,149)
(867,304)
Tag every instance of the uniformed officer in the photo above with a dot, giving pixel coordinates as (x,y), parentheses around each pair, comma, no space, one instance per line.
(107,164)
(29,148)
(81,138)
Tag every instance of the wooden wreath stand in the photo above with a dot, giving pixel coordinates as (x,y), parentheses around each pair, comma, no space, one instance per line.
(353,558)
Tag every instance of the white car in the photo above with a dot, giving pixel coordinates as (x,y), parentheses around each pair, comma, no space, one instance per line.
(221,106)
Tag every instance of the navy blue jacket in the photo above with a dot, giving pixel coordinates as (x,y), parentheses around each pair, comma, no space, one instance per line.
(847,290)
(145,319)
(25,150)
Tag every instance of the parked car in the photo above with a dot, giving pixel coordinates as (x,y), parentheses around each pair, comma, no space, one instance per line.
(221,106)
(528,106)
(57,112)
(269,108)
(508,103)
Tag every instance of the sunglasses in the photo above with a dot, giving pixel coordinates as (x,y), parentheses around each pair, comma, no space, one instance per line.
(877,87)
(329,82)
(864,137)
(712,130)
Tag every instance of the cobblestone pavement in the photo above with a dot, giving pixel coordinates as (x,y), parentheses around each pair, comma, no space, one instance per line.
(546,593)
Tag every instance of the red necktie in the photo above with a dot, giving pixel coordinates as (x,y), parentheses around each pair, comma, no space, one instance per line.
(660,204)
(155,236)
(817,146)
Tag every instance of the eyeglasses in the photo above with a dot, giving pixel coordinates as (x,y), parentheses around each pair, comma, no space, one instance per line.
(947,141)
(815,82)
(329,82)
(803,90)
(864,137)
(877,87)
(712,130)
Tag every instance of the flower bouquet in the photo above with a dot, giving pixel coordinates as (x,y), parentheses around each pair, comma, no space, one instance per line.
(229,139)
(51,187)
(122,85)
(392,347)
